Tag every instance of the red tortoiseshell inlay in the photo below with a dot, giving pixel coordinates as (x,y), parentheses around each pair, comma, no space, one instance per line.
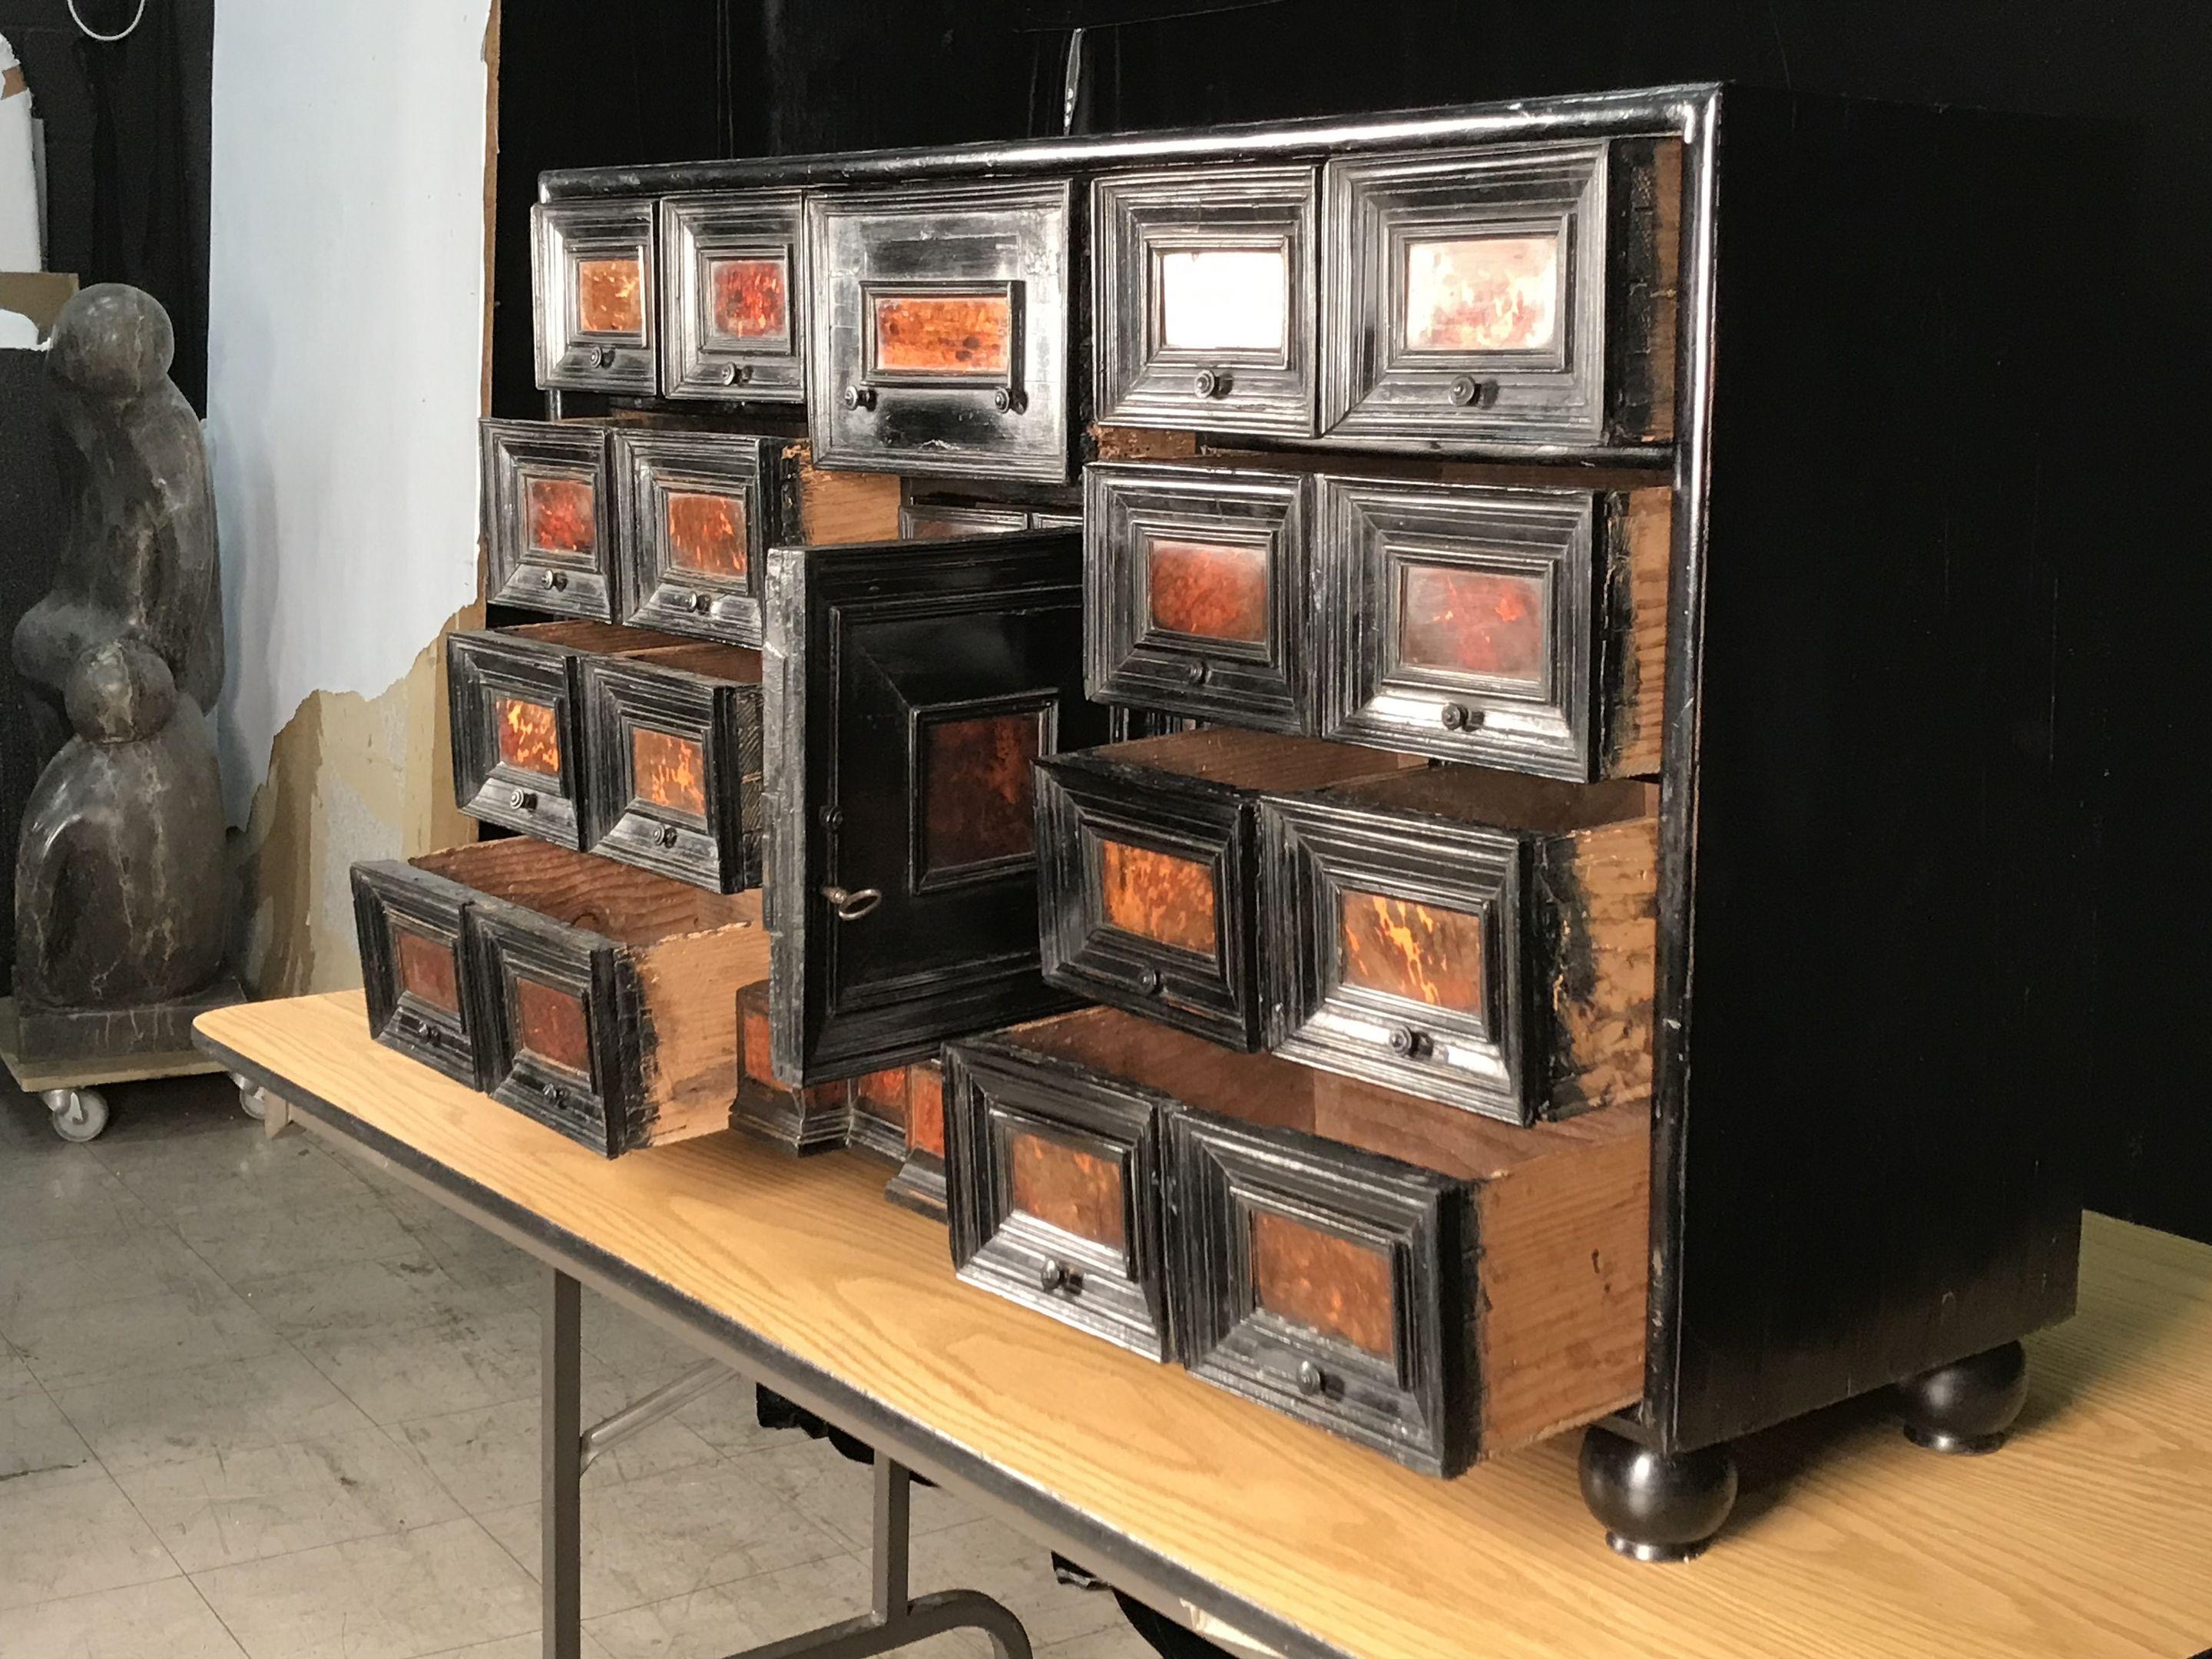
(1324,1282)
(529,736)
(1482,294)
(1067,1187)
(426,968)
(752,299)
(924,1109)
(1213,590)
(1478,622)
(952,334)
(978,788)
(1417,952)
(551,1024)
(1157,895)
(610,297)
(666,770)
(558,515)
(882,1094)
(707,533)
(753,1035)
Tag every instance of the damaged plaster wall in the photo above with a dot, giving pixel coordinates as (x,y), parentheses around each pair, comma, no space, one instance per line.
(346,342)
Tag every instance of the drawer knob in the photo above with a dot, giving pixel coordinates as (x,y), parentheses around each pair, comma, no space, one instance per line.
(1151,981)
(1009,401)
(1312,1379)
(1057,1275)
(848,906)
(603,356)
(1211,383)
(414,1025)
(701,604)
(736,374)
(523,800)
(668,835)
(554,1093)
(859,396)
(1196,673)
(1468,392)
(1458,717)
(556,579)
(1405,1040)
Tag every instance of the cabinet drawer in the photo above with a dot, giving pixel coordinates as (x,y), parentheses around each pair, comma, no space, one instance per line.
(673,737)
(414,977)
(515,698)
(696,511)
(1479,937)
(1510,297)
(1147,890)
(929,521)
(810,1117)
(1205,290)
(1196,583)
(549,524)
(1053,1192)
(733,270)
(1513,627)
(592,269)
(940,329)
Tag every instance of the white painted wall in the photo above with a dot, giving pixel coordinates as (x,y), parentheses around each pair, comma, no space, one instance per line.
(345,322)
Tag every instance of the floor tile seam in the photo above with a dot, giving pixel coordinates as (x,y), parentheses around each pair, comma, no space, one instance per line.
(197,1574)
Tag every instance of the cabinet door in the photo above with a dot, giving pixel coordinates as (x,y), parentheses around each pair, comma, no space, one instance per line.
(734,275)
(593,271)
(910,686)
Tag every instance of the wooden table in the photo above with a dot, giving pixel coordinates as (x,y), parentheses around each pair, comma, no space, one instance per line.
(2090,1535)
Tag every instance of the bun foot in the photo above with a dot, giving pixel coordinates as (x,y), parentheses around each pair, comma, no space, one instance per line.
(1655,1506)
(1967,1407)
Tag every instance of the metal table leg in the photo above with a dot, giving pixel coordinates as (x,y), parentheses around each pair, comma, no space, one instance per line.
(561,1450)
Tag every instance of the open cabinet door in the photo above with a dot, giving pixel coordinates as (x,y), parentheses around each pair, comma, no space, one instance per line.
(909,685)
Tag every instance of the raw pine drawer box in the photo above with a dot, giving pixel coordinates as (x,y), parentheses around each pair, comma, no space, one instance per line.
(672,739)
(515,698)
(597,305)
(1481,938)
(549,522)
(597,999)
(1422,1281)
(1147,885)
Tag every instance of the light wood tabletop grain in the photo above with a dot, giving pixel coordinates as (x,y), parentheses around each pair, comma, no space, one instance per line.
(2090,1535)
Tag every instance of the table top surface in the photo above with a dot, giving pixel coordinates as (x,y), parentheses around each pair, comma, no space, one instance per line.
(2090,1533)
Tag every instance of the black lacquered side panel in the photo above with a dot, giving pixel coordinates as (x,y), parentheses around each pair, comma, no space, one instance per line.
(549,522)
(597,299)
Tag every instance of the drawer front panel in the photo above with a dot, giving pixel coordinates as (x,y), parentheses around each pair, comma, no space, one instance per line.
(1197,586)
(1327,1283)
(1471,293)
(517,746)
(675,773)
(593,271)
(549,1007)
(1464,622)
(1400,957)
(549,524)
(735,272)
(929,521)
(1206,300)
(696,514)
(940,321)
(1145,898)
(414,975)
(1052,1185)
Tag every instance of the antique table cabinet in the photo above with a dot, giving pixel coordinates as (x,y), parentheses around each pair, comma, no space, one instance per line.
(1639,504)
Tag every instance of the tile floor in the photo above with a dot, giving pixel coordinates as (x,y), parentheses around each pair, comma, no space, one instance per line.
(258,1400)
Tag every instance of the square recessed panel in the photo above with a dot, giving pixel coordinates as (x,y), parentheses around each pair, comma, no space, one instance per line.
(611,295)
(529,735)
(552,1025)
(976,798)
(750,300)
(706,531)
(733,272)
(943,335)
(1209,590)
(1161,896)
(696,511)
(1399,947)
(1483,294)
(593,271)
(668,771)
(1322,1281)
(1222,298)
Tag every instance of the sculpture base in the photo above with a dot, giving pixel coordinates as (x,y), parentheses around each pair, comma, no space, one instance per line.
(101,1045)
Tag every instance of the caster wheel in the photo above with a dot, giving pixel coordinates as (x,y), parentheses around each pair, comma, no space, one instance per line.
(79,1113)
(1966,1408)
(250,1103)
(1654,1507)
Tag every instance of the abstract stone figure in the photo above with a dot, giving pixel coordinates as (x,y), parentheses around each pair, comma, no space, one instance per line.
(138,559)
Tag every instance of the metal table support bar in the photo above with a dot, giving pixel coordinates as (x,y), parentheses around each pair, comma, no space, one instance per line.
(895,1620)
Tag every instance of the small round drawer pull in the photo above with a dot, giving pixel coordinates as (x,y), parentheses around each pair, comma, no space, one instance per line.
(859,396)
(554,1093)
(603,356)
(1008,401)
(1196,673)
(414,1025)
(556,579)
(1405,1040)
(736,374)
(1057,1275)
(668,835)
(702,603)
(1312,1379)
(1151,981)
(523,800)
(1470,393)
(1211,383)
(1458,717)
(848,906)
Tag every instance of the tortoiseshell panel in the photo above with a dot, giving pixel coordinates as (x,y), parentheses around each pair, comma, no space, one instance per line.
(1158,895)
(1067,1187)
(752,299)
(1482,294)
(666,770)
(552,1025)
(754,1037)
(1325,1282)
(950,334)
(978,789)
(1477,622)
(610,297)
(924,1109)
(883,1094)
(1418,951)
(558,516)
(707,533)
(529,735)
(1223,299)
(426,968)
(1213,590)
